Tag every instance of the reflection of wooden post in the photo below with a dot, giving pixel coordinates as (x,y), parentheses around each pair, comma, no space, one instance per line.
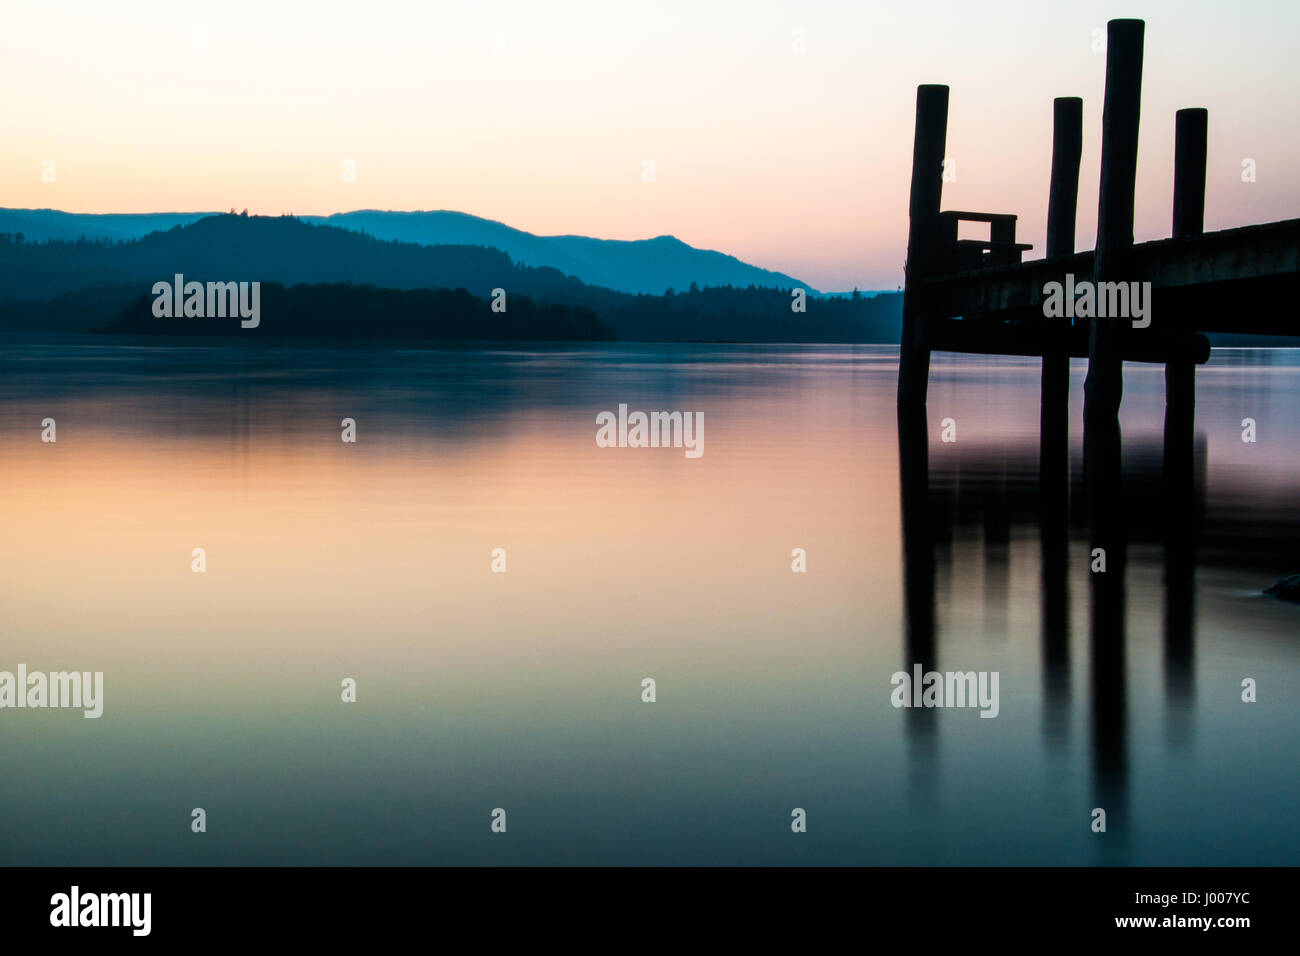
(1109,694)
(918,545)
(1104,388)
(928,146)
(1062,205)
(918,551)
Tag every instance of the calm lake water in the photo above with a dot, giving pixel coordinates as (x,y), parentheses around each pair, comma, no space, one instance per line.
(478,690)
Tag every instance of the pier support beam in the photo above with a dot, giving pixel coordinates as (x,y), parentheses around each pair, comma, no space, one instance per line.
(928,145)
(1063,199)
(1062,207)
(1190,136)
(1104,388)
(1191,133)
(1182,511)
(1054,424)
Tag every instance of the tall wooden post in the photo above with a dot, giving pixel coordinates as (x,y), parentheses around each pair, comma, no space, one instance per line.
(1063,199)
(1104,387)
(1181,512)
(1190,136)
(1062,206)
(928,144)
(1054,423)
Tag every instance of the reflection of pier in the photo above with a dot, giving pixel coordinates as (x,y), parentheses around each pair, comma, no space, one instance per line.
(963,503)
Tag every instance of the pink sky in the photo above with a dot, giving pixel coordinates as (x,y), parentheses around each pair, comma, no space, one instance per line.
(780,132)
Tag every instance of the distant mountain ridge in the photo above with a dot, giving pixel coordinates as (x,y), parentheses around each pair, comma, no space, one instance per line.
(281,249)
(637,266)
(41,225)
(71,285)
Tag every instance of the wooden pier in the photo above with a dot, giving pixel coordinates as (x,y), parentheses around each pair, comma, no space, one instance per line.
(979,296)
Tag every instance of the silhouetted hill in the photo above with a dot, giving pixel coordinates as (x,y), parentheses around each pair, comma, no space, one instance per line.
(283,249)
(644,265)
(57,284)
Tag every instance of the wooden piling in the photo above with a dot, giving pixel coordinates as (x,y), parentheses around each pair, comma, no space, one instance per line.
(1054,417)
(1119,143)
(1063,199)
(1104,387)
(1179,472)
(929,142)
(1190,137)
(1062,207)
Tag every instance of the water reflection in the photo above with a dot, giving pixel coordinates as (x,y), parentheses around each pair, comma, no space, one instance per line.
(524,689)
(962,507)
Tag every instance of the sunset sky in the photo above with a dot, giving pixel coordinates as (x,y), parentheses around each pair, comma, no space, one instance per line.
(542,115)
